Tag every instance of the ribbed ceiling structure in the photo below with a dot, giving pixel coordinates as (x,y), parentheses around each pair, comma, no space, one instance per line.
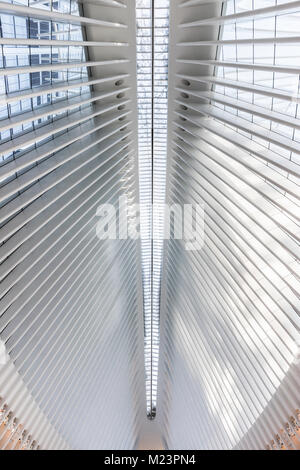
(73,335)
(189,102)
(230,366)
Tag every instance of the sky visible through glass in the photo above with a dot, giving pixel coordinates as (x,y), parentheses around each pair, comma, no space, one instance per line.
(152,76)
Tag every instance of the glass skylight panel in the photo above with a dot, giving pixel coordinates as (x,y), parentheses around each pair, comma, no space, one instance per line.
(276,26)
(13,26)
(152,76)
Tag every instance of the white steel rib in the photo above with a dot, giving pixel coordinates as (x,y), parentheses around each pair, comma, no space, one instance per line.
(68,127)
(229,370)
(188,341)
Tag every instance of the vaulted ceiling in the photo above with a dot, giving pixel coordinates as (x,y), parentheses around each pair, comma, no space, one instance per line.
(130,343)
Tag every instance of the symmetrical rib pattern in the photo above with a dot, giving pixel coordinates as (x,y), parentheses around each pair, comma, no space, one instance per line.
(230,324)
(72,334)
(76,132)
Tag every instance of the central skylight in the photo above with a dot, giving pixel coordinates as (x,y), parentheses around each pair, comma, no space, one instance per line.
(152,75)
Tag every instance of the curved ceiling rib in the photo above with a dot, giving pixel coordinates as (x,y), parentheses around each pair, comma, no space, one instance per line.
(199,103)
(72,336)
(229,372)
